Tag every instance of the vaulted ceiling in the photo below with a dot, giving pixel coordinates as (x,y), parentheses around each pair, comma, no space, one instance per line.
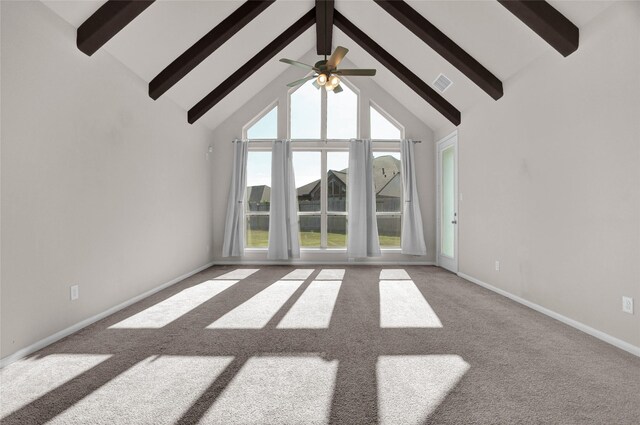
(479,45)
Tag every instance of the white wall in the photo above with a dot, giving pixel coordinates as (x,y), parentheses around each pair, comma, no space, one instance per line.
(550,178)
(414,128)
(101,186)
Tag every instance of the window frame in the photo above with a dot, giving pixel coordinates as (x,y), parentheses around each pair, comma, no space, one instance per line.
(325,146)
(307,146)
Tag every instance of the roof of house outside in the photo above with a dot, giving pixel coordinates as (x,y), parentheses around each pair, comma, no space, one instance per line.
(340,175)
(393,188)
(307,188)
(261,193)
(386,177)
(384,169)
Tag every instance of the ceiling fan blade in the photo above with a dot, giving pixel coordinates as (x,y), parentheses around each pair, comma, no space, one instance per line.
(337,57)
(296,63)
(356,72)
(337,89)
(301,81)
(316,85)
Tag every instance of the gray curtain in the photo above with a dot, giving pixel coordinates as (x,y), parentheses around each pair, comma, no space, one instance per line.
(284,239)
(233,245)
(362,227)
(412,237)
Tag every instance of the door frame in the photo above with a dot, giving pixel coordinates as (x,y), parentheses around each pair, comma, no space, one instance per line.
(450,140)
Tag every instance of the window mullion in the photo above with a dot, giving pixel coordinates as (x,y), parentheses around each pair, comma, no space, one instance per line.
(323,181)
(323,114)
(323,199)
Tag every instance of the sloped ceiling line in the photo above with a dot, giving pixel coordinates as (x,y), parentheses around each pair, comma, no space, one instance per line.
(114,15)
(204,47)
(106,22)
(324,26)
(397,68)
(547,22)
(444,46)
(244,72)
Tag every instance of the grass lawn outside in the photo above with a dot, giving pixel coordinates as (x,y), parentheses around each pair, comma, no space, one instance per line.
(260,239)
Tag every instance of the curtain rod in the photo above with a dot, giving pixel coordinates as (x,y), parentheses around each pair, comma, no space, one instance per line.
(320,140)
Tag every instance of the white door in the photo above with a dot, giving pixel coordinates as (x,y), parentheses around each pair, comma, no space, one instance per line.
(447,181)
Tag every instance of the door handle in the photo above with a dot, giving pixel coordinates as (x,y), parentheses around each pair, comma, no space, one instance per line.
(454,222)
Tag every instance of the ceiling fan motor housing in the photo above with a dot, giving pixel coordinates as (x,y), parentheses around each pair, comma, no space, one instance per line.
(322,66)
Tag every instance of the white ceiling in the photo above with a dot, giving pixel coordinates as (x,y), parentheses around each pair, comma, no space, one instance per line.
(485,29)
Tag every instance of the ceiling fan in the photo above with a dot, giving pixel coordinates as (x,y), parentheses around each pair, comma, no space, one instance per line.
(327,73)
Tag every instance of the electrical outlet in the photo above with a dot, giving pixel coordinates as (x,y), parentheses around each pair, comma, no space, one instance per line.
(497,265)
(75,292)
(627,305)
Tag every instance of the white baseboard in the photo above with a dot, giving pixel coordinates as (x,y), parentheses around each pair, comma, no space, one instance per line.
(325,263)
(23,352)
(623,345)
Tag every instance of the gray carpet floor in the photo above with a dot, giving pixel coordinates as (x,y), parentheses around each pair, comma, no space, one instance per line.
(256,349)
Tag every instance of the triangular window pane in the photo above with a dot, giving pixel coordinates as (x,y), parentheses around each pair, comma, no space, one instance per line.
(382,128)
(266,127)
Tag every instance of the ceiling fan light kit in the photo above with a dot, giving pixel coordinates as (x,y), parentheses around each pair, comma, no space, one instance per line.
(326,72)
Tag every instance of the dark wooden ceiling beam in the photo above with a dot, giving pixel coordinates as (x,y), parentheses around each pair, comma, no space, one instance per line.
(444,46)
(204,47)
(324,26)
(401,71)
(547,22)
(255,63)
(106,22)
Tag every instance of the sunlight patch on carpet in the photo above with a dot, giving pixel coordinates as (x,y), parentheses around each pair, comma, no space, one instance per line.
(394,274)
(158,390)
(256,312)
(277,390)
(403,306)
(299,274)
(330,274)
(165,312)
(237,274)
(29,379)
(410,388)
(314,308)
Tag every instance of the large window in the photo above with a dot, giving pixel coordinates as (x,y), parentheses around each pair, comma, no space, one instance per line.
(321,169)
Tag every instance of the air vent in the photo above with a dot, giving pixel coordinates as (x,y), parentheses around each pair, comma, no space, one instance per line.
(442,83)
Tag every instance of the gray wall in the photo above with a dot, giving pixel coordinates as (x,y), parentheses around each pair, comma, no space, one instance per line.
(550,179)
(369,90)
(101,186)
